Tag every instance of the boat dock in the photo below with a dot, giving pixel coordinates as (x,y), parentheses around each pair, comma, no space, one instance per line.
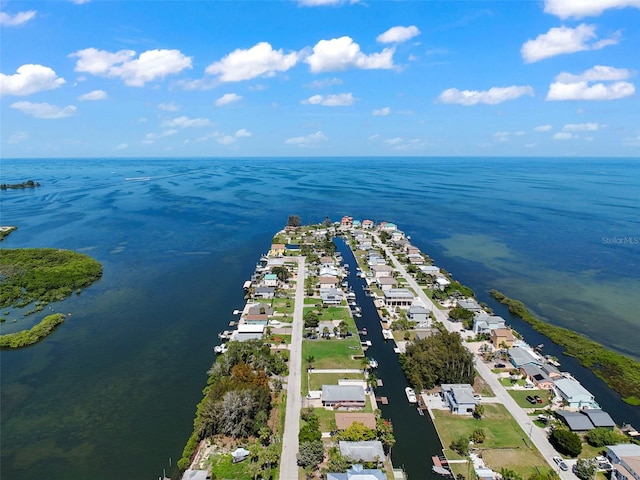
(382,400)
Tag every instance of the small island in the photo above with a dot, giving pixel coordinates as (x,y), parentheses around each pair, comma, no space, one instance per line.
(19,186)
(5,231)
(40,276)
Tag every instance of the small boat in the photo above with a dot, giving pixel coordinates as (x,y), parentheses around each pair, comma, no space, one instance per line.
(219,349)
(420,412)
(364,331)
(411,395)
(373,363)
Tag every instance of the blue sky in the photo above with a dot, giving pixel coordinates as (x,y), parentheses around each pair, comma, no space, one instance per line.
(319,78)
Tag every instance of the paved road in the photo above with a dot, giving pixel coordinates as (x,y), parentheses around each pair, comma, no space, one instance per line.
(537,435)
(288,460)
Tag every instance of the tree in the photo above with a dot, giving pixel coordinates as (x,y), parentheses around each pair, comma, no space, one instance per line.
(311,319)
(478,412)
(508,474)
(384,433)
(310,453)
(478,435)
(310,359)
(548,475)
(460,314)
(293,221)
(357,432)
(281,272)
(460,445)
(337,463)
(586,468)
(566,442)
(599,437)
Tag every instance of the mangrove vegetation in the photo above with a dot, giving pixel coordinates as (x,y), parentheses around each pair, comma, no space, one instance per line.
(618,371)
(24,338)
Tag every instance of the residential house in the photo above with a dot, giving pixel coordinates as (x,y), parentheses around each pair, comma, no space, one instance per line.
(364,451)
(343,396)
(625,459)
(599,418)
(573,394)
(264,292)
(416,259)
(256,319)
(277,250)
(358,472)
(459,397)
(501,337)
(398,297)
(365,243)
(367,224)
(411,250)
(381,271)
(519,356)
(331,296)
(430,270)
(469,304)
(537,376)
(346,222)
(270,280)
(329,271)
(418,313)
(344,420)
(442,282)
(328,281)
(386,283)
(576,421)
(397,235)
(483,323)
(325,260)
(260,308)
(357,224)
(387,226)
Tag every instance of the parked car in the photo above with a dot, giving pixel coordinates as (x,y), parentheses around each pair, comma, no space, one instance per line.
(561,464)
(500,365)
(537,398)
(531,400)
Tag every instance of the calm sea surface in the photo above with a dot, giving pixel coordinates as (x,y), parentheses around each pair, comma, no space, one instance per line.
(112,393)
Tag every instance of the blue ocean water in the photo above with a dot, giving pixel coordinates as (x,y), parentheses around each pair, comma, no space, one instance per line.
(112,393)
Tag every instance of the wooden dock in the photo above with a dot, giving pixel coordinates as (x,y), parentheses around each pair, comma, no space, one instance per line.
(379,382)
(382,400)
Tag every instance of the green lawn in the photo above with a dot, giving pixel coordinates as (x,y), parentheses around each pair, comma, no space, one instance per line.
(332,353)
(520,397)
(508,383)
(319,379)
(280,305)
(279,339)
(223,467)
(505,445)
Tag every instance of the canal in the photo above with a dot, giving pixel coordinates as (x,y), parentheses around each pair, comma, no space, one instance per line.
(416,438)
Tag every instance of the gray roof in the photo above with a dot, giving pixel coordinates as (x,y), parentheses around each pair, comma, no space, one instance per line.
(263,289)
(535,372)
(340,393)
(386,281)
(570,388)
(599,417)
(461,392)
(362,451)
(417,309)
(520,356)
(625,449)
(398,293)
(195,474)
(357,472)
(469,304)
(255,309)
(244,336)
(575,420)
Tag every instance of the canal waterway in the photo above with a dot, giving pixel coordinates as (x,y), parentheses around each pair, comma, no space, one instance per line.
(416,437)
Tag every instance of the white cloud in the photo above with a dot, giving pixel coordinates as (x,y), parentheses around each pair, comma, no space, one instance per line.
(228,98)
(561,40)
(341,53)
(44,110)
(168,107)
(398,34)
(584,8)
(150,138)
(186,122)
(542,128)
(381,112)
(582,127)
(399,143)
(17,137)
(261,59)
(328,82)
(599,72)
(307,141)
(80,2)
(563,136)
(135,72)
(8,20)
(394,141)
(492,96)
(324,3)
(339,100)
(569,86)
(121,146)
(93,95)
(29,79)
(502,136)
(242,133)
(226,139)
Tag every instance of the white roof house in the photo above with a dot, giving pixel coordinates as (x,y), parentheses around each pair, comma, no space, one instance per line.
(574,394)
(366,451)
(625,459)
(483,322)
(459,397)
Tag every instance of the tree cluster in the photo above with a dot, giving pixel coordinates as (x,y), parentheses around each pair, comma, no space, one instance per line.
(599,437)
(566,442)
(438,359)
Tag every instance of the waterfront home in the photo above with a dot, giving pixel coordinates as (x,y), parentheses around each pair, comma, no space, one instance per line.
(411,250)
(344,420)
(365,243)
(381,271)
(368,224)
(256,319)
(357,224)
(387,227)
(274,262)
(397,236)
(374,259)
(537,376)
(469,304)
(442,282)
(190,474)
(573,394)
(260,309)
(599,418)
(386,283)
(416,259)
(329,271)
(358,472)
(343,396)
(483,323)
(325,260)
(270,280)
(398,297)
(364,451)
(459,397)
(430,270)
(501,337)
(277,250)
(264,292)
(346,223)
(625,459)
(331,296)
(520,356)
(328,281)
(576,421)
(418,313)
